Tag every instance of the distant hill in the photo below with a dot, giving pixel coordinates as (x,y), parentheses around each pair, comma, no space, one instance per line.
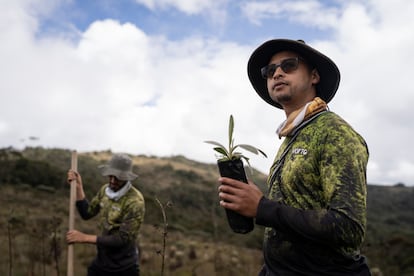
(33,188)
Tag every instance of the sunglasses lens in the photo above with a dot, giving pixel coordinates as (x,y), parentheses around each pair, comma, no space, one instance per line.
(268,71)
(288,65)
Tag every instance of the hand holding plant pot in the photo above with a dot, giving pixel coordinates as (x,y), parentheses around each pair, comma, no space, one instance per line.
(230,164)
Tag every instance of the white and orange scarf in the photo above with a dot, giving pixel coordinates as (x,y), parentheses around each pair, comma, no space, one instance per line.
(302,114)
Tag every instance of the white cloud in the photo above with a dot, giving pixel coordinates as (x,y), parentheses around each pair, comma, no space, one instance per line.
(372,48)
(118,87)
(404,169)
(374,61)
(214,11)
(186,6)
(309,12)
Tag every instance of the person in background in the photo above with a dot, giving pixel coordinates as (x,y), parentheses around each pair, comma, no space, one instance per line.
(315,210)
(121,210)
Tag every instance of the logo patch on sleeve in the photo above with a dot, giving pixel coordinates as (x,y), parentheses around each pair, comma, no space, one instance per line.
(299,151)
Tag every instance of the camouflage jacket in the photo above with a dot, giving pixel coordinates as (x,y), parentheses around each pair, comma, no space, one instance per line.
(315,212)
(119,222)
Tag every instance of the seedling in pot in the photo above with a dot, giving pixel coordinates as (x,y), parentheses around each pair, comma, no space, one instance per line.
(230,153)
(230,165)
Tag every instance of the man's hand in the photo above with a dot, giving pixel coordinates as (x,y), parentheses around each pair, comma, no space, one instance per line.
(75,236)
(74,175)
(239,196)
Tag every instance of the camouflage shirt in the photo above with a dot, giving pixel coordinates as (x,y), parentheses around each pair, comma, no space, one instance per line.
(315,213)
(119,222)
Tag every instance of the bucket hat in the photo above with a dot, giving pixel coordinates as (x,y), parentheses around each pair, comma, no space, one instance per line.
(120,166)
(328,71)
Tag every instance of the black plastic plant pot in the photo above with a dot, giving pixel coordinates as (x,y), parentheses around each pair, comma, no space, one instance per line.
(234,169)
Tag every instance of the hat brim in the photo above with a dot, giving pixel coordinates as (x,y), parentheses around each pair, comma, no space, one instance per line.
(121,175)
(328,71)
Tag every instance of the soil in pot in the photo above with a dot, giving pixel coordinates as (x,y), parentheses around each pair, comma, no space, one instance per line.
(234,169)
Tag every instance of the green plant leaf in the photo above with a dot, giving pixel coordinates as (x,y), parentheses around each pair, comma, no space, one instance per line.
(222,151)
(237,154)
(215,143)
(252,149)
(262,152)
(231,140)
(230,153)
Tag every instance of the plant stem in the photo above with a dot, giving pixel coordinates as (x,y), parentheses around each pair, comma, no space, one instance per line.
(164,233)
(10,249)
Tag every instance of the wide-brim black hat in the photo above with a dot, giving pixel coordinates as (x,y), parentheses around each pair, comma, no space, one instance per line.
(328,71)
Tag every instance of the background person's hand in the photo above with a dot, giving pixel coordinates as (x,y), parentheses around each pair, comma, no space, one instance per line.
(75,236)
(73,175)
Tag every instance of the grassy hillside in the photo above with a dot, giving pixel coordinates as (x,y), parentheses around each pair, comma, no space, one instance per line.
(34,197)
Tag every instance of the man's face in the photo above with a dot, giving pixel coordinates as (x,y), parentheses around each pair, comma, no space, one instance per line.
(115,184)
(294,88)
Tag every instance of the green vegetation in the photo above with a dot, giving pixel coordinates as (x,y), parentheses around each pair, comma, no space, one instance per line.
(34,198)
(230,153)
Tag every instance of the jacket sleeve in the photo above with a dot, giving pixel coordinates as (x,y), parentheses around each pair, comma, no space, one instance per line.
(86,210)
(340,221)
(90,209)
(327,226)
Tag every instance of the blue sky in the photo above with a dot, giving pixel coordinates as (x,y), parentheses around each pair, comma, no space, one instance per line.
(159,77)
(176,23)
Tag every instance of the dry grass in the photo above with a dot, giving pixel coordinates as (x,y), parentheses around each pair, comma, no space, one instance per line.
(185,254)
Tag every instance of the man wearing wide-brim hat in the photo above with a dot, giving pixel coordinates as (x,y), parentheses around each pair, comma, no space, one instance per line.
(121,210)
(315,210)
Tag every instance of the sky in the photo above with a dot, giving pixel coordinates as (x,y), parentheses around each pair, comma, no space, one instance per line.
(160,77)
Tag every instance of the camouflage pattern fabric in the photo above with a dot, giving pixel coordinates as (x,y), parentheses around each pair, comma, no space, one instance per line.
(123,217)
(315,214)
(119,223)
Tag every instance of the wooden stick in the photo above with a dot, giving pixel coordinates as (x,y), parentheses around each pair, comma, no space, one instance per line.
(72,200)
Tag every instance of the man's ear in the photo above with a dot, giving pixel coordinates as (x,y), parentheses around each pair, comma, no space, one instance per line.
(315,77)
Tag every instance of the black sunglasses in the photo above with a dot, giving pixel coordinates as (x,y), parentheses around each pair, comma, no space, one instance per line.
(287,65)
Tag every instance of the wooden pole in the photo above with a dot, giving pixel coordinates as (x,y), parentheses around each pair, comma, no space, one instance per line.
(72,200)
